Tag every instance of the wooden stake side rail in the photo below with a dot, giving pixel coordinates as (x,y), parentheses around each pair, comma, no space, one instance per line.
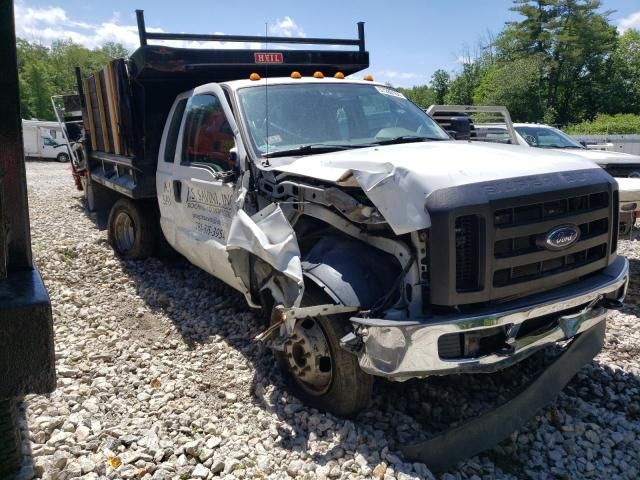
(103,112)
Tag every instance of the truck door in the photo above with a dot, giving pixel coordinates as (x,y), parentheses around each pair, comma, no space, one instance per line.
(198,193)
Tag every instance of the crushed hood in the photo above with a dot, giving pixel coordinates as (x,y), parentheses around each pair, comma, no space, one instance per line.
(399,178)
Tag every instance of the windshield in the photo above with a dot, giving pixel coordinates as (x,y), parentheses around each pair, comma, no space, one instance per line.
(547,137)
(314,118)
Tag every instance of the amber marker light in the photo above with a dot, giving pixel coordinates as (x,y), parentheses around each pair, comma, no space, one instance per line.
(254,77)
(318,75)
(296,75)
(339,75)
(368,78)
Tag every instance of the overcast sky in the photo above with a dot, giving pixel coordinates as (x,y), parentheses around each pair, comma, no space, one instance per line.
(407,39)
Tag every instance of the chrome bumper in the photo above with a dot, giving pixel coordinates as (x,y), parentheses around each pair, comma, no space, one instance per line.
(401,350)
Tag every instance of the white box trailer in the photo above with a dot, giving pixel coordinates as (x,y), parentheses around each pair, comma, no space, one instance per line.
(44,140)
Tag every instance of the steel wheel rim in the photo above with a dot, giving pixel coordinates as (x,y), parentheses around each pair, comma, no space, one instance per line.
(308,355)
(124,232)
(63,158)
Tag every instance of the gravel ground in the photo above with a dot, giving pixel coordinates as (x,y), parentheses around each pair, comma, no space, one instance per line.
(158,378)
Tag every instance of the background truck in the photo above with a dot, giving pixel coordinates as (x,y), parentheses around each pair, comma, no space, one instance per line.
(27,363)
(44,140)
(377,245)
(493,124)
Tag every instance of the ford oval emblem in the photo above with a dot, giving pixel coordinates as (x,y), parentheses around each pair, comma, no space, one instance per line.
(561,237)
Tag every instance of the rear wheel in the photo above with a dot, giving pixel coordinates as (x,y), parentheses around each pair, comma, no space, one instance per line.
(10,448)
(321,373)
(132,230)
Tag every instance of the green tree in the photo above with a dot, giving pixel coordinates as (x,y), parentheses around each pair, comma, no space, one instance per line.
(463,86)
(574,40)
(46,71)
(440,85)
(38,91)
(514,85)
(624,84)
(422,95)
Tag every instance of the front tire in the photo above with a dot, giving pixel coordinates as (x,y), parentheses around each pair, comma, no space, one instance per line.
(132,230)
(62,157)
(10,439)
(321,373)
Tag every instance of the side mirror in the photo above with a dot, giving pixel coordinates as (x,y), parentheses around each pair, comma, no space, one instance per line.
(583,143)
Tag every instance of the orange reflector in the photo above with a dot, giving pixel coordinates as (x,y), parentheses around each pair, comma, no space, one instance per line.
(296,75)
(339,75)
(318,75)
(368,78)
(254,77)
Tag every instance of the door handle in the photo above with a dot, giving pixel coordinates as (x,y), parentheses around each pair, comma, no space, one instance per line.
(177,191)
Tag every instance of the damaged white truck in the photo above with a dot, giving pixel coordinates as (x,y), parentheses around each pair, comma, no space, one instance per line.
(380,246)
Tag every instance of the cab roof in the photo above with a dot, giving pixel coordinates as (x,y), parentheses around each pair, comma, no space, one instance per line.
(271,81)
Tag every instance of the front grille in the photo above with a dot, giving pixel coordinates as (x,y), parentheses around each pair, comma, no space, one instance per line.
(493,241)
(520,262)
(519,255)
(467,253)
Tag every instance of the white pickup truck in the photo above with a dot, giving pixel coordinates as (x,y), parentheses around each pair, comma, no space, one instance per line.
(378,246)
(623,166)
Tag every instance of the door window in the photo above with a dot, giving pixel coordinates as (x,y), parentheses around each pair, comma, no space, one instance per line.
(49,142)
(174,130)
(208,138)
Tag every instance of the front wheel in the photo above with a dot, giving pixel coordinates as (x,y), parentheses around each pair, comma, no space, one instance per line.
(132,230)
(322,374)
(63,157)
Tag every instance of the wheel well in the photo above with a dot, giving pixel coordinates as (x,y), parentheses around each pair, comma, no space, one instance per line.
(351,272)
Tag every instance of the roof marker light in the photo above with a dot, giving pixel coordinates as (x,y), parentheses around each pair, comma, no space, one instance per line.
(254,76)
(339,75)
(318,75)
(368,77)
(296,75)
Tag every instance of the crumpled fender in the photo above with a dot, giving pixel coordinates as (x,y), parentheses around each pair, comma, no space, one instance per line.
(269,236)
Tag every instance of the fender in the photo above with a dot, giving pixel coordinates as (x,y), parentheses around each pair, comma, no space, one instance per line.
(351,272)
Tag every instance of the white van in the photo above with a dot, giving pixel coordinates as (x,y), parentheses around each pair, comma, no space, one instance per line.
(44,140)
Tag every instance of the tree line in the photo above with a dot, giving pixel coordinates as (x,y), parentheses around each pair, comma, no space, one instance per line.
(562,63)
(45,71)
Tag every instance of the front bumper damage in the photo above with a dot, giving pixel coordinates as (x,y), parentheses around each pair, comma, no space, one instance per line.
(400,350)
(410,349)
(445,450)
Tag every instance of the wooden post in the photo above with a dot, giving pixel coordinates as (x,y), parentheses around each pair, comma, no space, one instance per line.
(92,126)
(103,117)
(112,101)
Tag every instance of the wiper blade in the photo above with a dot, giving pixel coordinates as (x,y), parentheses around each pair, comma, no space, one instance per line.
(406,139)
(560,146)
(310,149)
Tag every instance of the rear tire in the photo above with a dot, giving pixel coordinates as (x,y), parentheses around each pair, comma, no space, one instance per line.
(132,229)
(10,439)
(346,389)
